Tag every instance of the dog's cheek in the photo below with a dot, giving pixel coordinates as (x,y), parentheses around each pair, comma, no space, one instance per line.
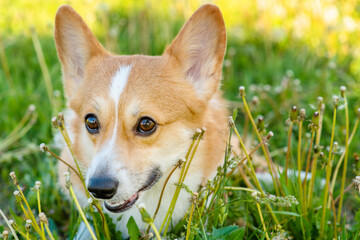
(84,147)
(174,146)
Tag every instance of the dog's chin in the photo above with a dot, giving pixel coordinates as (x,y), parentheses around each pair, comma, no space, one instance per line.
(122,206)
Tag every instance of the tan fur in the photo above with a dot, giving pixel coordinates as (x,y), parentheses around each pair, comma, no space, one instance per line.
(179,90)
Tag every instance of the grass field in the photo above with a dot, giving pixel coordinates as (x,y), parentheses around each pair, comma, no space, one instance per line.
(285,53)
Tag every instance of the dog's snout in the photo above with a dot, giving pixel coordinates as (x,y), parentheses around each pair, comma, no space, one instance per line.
(102,187)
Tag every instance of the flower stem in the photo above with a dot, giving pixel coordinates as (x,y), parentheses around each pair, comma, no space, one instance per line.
(30,214)
(196,138)
(162,192)
(39,209)
(155,230)
(321,109)
(81,212)
(345,160)
(262,221)
(343,155)
(299,161)
(307,170)
(257,183)
(189,223)
(259,138)
(288,151)
(328,174)
(49,232)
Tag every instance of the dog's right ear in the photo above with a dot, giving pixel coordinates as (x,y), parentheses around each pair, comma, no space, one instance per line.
(75,45)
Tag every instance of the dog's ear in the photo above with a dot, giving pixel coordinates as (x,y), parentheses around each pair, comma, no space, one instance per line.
(76,45)
(199,48)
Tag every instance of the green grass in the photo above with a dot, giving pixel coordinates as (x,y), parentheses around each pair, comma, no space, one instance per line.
(269,69)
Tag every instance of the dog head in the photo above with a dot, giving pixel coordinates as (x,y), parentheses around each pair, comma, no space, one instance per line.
(134,116)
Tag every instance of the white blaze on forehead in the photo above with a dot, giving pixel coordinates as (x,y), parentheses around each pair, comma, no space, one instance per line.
(119,82)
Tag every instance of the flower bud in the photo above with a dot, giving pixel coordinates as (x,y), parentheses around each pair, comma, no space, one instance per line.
(17,196)
(61,116)
(13,176)
(231,121)
(43,218)
(335,147)
(67,178)
(28,225)
(335,101)
(302,114)
(54,122)
(316,149)
(242,91)
(43,147)
(357,183)
(255,100)
(356,157)
(32,108)
(144,214)
(269,135)
(342,91)
(315,119)
(182,160)
(37,186)
(293,114)
(260,123)
(320,101)
(5,234)
(289,73)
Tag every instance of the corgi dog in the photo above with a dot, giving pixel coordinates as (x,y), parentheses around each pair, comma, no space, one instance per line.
(131,118)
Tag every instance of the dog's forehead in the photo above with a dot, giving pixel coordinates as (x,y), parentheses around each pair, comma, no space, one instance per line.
(116,77)
(115,73)
(137,82)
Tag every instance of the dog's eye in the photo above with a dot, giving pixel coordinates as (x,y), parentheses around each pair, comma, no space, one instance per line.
(92,123)
(146,126)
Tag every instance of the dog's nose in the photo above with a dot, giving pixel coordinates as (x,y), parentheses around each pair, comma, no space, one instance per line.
(102,187)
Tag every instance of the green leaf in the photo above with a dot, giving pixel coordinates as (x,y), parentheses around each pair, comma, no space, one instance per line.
(223,233)
(237,234)
(133,229)
(114,234)
(287,213)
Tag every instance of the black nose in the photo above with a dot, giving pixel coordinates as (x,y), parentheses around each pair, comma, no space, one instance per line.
(102,187)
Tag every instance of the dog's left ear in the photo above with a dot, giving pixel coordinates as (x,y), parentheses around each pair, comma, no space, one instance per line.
(199,48)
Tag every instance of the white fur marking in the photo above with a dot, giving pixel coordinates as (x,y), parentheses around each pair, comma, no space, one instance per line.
(118,84)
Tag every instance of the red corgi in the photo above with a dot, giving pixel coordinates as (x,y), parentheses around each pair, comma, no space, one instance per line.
(131,118)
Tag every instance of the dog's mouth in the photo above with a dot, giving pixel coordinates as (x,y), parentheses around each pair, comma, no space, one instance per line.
(122,206)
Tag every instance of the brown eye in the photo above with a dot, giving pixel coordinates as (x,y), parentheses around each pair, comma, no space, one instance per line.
(146,126)
(92,123)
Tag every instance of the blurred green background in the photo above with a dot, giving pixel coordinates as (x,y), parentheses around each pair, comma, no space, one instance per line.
(285,52)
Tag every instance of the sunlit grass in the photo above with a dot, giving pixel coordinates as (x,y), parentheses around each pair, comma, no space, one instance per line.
(285,53)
